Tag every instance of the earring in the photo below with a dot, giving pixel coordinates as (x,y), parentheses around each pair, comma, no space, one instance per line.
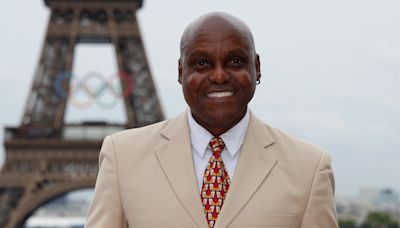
(258,78)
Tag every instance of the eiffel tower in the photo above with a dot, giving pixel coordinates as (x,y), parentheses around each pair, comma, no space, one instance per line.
(45,157)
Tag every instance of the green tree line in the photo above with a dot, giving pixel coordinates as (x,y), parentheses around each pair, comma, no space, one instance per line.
(373,220)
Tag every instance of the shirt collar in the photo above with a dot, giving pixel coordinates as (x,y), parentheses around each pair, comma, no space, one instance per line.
(233,138)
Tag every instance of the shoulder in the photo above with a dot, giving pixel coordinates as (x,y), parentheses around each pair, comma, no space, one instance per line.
(290,141)
(149,132)
(289,147)
(137,142)
(133,134)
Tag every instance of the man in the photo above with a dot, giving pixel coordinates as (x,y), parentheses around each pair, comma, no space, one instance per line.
(215,165)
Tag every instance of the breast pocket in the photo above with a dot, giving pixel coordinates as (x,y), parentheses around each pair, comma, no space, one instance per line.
(273,220)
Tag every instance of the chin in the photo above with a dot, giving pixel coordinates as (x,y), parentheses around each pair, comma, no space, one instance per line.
(223,118)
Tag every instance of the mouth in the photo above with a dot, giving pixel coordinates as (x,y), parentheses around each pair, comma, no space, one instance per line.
(220,94)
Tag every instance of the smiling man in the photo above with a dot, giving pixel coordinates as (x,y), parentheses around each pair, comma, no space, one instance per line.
(215,165)
(218,70)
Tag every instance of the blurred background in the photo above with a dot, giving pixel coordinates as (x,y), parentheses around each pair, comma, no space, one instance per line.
(330,75)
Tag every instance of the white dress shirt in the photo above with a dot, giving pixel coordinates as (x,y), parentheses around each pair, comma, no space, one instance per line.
(200,139)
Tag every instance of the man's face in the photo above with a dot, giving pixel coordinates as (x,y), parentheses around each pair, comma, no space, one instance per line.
(217,70)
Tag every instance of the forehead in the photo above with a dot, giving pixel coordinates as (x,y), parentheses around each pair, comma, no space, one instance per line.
(215,38)
(217,30)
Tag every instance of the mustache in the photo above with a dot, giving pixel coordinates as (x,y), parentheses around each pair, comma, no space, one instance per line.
(220,88)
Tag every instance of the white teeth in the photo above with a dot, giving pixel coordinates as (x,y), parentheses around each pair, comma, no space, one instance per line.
(220,94)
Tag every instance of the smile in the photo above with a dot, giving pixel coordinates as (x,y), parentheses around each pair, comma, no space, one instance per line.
(220,94)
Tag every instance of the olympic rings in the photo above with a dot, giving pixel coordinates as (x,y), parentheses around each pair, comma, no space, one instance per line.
(81,89)
(93,87)
(58,84)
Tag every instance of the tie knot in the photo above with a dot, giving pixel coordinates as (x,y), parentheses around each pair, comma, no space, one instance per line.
(217,145)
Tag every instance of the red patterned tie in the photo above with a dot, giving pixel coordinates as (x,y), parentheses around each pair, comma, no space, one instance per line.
(215,183)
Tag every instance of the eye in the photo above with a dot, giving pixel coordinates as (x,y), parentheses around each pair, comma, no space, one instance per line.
(201,64)
(235,61)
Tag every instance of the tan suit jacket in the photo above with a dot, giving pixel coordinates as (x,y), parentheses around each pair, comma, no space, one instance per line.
(147,179)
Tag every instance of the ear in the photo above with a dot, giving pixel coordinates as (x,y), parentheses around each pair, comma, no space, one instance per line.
(258,68)
(180,71)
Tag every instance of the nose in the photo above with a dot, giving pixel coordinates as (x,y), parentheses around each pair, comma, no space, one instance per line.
(219,75)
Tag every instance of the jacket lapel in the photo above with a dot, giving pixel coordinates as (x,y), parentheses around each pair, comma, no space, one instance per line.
(254,164)
(175,158)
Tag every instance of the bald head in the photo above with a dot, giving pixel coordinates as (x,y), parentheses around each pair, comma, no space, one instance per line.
(216,22)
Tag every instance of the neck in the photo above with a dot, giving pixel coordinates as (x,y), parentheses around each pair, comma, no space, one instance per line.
(217,128)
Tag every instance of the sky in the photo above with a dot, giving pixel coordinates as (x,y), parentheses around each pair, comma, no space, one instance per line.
(330,73)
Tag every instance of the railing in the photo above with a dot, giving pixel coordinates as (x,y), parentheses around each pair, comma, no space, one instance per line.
(81,132)
(76,132)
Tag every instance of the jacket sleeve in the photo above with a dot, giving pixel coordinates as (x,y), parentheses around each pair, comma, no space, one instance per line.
(105,210)
(321,210)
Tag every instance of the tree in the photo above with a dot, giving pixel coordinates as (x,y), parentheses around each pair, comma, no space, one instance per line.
(380,220)
(347,223)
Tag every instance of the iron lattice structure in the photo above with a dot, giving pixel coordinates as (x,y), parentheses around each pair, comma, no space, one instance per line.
(45,157)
